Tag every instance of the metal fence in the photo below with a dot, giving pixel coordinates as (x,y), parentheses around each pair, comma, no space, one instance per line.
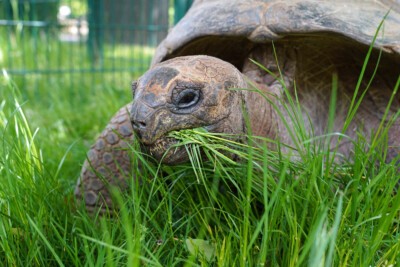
(82,42)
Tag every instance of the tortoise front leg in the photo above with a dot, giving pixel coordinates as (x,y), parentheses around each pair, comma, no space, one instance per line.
(108,163)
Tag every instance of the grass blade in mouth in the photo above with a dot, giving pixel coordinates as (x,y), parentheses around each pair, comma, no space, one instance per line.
(223,146)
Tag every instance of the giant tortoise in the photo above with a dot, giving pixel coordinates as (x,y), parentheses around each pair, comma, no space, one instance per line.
(213,49)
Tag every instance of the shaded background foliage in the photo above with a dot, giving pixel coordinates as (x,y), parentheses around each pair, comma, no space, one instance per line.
(78,38)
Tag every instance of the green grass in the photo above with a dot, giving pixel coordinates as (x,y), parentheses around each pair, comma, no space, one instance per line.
(268,209)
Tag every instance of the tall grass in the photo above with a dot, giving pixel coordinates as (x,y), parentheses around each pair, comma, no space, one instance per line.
(265,209)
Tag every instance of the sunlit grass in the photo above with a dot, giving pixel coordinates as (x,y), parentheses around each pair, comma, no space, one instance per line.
(263,208)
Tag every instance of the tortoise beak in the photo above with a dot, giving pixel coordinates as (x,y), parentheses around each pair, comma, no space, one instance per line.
(148,123)
(142,118)
(150,126)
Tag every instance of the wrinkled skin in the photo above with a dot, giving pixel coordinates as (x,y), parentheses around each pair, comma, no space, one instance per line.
(185,93)
(193,91)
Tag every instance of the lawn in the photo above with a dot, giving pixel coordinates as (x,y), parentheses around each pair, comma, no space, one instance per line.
(268,209)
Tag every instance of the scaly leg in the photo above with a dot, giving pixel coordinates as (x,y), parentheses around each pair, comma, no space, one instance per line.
(108,163)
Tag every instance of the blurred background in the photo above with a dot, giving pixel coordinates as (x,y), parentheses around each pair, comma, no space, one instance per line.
(78,44)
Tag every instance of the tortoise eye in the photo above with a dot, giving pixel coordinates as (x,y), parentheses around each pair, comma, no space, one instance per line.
(187,98)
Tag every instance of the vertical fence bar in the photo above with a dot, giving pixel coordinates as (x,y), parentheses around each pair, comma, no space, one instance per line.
(181,7)
(96,28)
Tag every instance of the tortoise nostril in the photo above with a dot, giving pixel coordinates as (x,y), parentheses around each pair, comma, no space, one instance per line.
(139,124)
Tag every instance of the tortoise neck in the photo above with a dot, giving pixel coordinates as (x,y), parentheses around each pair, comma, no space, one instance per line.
(261,113)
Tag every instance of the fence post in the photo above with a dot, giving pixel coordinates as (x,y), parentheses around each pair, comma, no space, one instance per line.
(96,27)
(181,7)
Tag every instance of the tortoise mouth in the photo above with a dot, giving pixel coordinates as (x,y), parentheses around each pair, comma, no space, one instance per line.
(165,150)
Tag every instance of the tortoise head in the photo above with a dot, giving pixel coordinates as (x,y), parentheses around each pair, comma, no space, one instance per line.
(185,93)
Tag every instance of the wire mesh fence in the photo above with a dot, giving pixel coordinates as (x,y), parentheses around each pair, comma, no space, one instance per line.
(82,43)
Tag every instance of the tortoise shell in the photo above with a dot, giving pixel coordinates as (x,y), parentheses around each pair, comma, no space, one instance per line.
(228,29)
